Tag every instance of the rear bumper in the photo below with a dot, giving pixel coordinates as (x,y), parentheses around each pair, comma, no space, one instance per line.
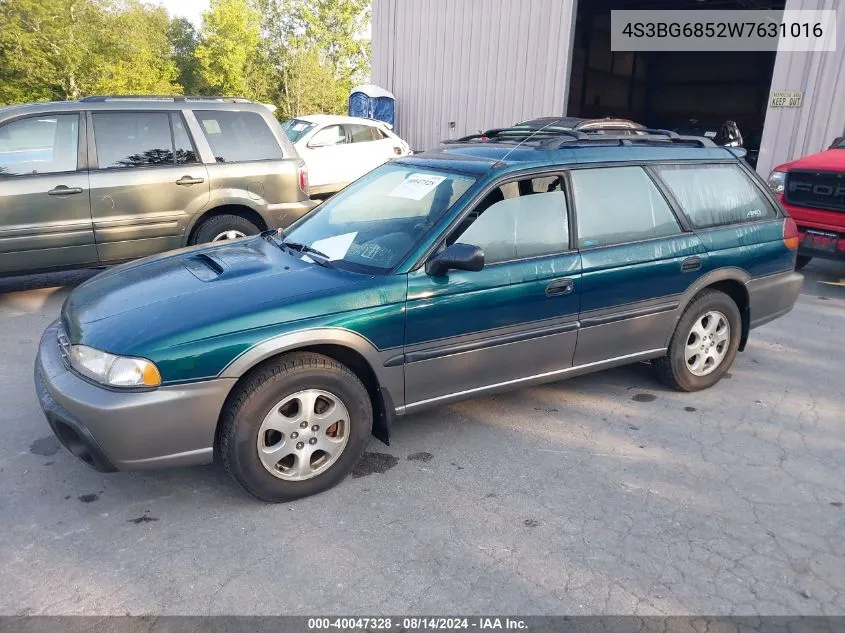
(773,296)
(127,430)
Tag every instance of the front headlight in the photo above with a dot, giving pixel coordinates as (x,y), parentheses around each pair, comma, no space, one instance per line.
(777,181)
(113,371)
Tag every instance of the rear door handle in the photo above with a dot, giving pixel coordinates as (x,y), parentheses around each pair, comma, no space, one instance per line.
(691,264)
(187,180)
(560,287)
(62,190)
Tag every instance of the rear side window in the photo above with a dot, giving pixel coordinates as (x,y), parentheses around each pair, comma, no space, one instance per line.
(615,205)
(363,133)
(132,139)
(39,145)
(715,195)
(237,137)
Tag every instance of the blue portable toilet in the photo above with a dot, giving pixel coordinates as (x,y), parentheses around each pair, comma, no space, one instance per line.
(372,102)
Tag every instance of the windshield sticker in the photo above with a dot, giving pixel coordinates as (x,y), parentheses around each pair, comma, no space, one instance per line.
(298,127)
(336,246)
(710,134)
(417,186)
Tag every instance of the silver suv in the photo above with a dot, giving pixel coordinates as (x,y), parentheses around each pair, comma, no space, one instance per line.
(108,179)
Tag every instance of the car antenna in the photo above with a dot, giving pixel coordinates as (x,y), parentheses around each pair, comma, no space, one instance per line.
(525,140)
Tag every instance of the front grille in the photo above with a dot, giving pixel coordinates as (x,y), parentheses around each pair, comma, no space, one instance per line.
(64,345)
(816,189)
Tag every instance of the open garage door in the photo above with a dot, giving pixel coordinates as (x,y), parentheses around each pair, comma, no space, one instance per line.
(695,92)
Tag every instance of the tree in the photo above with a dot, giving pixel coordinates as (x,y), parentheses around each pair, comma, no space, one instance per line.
(229,47)
(183,44)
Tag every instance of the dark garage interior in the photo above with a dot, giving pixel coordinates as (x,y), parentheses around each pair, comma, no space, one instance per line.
(668,89)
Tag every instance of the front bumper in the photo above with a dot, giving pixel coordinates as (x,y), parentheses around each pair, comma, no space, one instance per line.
(127,430)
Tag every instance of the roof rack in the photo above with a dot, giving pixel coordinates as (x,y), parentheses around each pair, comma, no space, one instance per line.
(518,134)
(174,98)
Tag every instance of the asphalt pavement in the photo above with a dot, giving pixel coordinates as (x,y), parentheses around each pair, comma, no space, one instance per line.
(605,494)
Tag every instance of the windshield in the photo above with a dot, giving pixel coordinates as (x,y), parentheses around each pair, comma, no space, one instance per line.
(841,144)
(372,225)
(297,128)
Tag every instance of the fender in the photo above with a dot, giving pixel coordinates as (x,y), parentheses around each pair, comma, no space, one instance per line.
(390,378)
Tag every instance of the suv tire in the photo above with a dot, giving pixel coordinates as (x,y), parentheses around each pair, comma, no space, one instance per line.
(801,261)
(704,344)
(216,227)
(290,394)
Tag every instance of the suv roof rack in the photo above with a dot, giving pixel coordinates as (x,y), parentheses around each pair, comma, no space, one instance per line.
(174,98)
(554,137)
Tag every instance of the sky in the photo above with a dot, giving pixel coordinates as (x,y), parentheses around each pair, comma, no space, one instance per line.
(191,9)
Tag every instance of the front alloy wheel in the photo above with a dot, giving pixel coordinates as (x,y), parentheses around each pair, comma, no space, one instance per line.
(303,435)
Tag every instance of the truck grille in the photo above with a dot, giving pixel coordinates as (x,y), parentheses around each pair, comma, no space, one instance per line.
(64,345)
(816,189)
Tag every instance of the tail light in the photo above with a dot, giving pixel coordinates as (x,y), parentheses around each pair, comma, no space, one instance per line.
(303,177)
(791,236)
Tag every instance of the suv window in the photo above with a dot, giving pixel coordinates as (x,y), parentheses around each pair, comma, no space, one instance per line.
(615,205)
(331,135)
(39,145)
(713,195)
(185,152)
(132,139)
(518,220)
(237,137)
(363,133)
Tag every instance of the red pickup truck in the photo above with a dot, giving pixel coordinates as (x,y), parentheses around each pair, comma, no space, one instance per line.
(812,189)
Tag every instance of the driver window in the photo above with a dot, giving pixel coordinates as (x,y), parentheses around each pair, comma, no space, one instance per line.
(331,135)
(521,219)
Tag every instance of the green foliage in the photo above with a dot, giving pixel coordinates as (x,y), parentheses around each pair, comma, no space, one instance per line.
(302,55)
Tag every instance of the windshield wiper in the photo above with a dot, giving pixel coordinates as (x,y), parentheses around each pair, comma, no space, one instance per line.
(321,258)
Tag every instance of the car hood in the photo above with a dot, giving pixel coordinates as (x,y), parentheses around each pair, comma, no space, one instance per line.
(193,290)
(830,160)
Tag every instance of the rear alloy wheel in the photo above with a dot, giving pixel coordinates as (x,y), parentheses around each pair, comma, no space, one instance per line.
(295,426)
(801,261)
(704,344)
(220,228)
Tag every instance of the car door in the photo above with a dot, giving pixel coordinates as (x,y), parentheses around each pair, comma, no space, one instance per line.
(146,182)
(327,158)
(637,260)
(469,332)
(45,215)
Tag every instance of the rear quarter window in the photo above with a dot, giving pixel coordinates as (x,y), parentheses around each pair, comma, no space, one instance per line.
(237,137)
(716,195)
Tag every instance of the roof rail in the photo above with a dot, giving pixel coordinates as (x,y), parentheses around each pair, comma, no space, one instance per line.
(174,98)
(649,136)
(518,134)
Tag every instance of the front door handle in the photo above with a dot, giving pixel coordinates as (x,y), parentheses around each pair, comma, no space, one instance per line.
(691,264)
(63,190)
(187,180)
(560,287)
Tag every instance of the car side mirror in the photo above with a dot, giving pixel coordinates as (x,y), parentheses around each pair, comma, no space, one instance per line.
(836,142)
(455,257)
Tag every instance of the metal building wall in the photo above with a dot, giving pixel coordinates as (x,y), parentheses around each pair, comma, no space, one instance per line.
(477,63)
(790,133)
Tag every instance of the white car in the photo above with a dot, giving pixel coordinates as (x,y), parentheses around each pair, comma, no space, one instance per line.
(340,149)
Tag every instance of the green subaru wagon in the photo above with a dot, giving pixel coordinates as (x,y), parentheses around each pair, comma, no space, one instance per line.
(485,265)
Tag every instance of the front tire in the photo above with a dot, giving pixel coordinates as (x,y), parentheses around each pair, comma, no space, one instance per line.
(295,427)
(704,344)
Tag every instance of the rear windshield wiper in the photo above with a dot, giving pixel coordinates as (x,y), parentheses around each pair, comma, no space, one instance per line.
(321,258)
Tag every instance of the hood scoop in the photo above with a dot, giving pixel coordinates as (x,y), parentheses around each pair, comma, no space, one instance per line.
(205,267)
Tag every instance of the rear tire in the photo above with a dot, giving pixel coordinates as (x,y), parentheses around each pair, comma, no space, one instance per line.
(801,261)
(704,344)
(223,227)
(271,440)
